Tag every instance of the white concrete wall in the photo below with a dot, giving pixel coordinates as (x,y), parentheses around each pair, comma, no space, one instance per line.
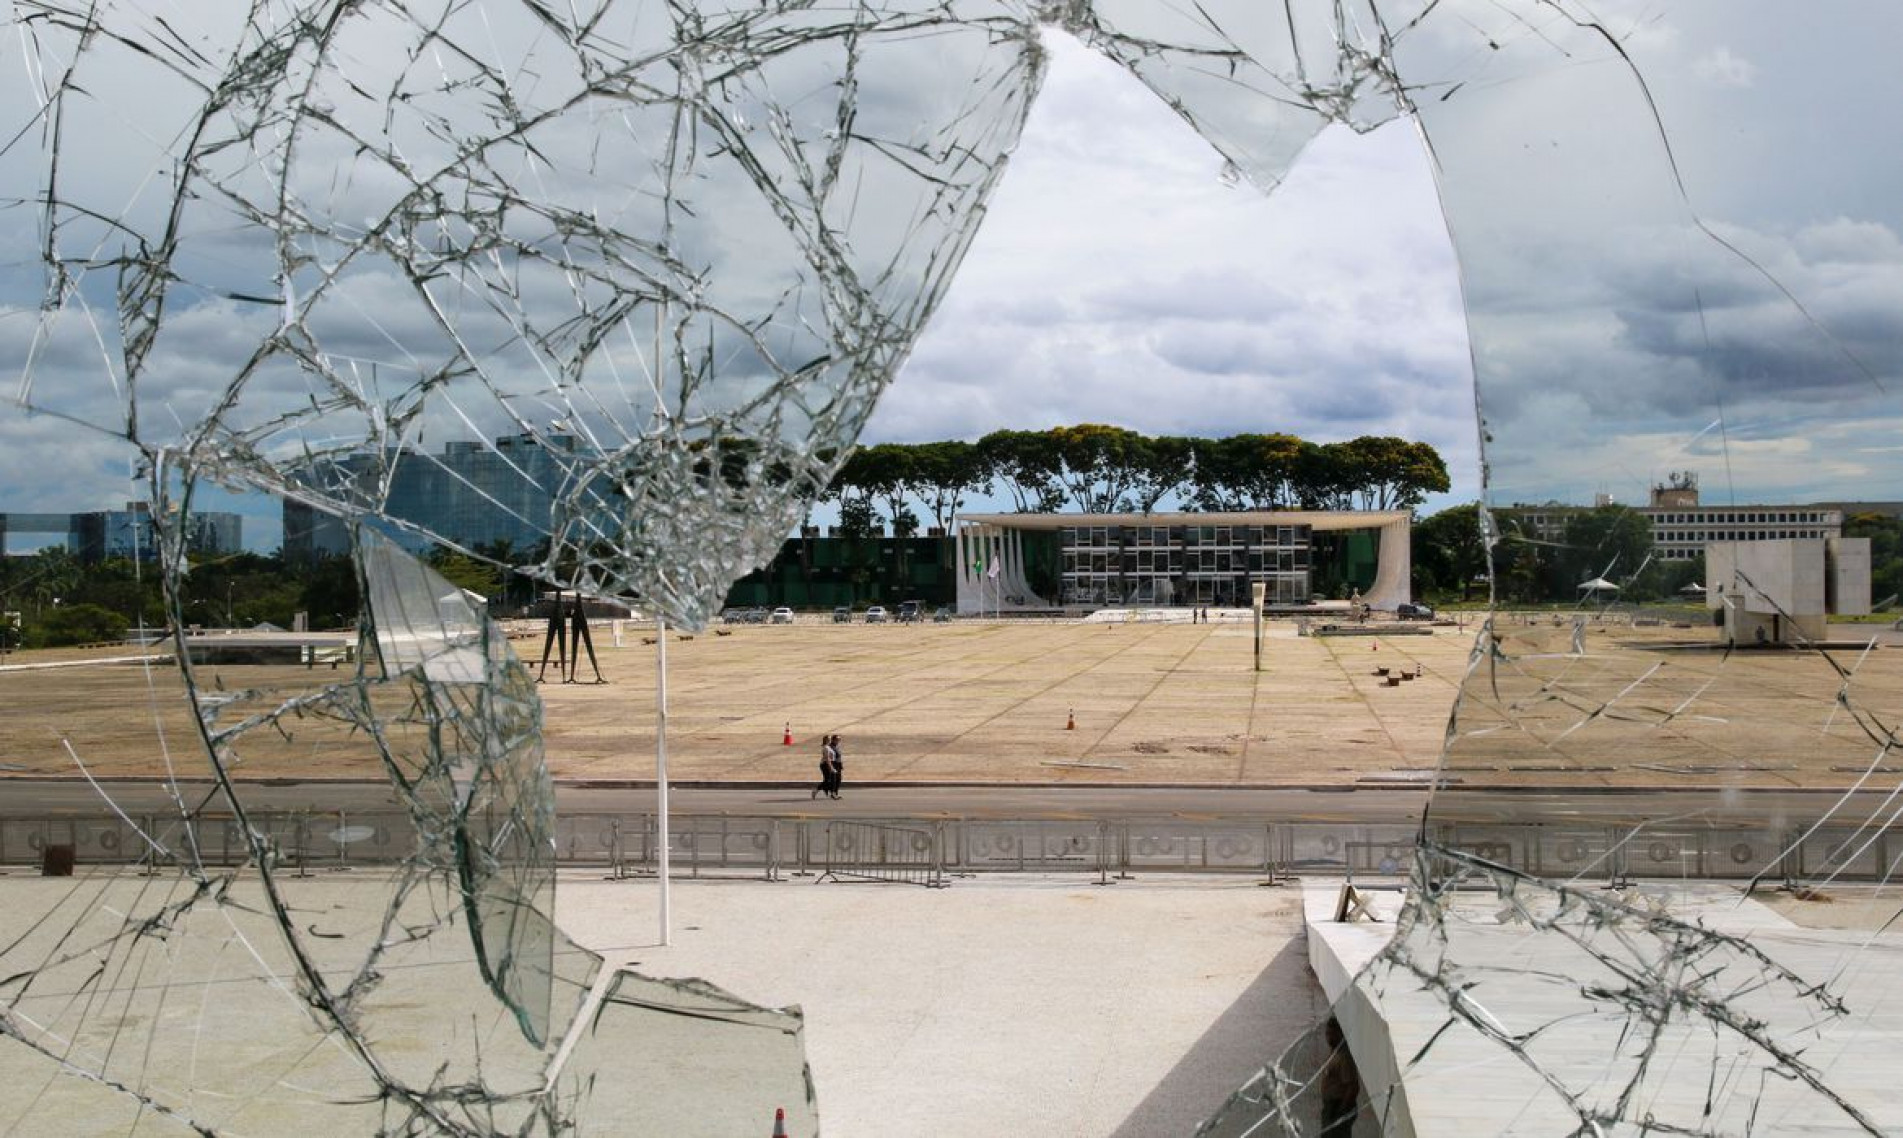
(1849,592)
(1774,591)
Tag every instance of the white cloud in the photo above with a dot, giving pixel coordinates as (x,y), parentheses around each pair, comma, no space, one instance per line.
(1722,68)
(1119,279)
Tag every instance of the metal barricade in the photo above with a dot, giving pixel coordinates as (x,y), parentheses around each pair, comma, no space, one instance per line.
(874,851)
(930,851)
(630,845)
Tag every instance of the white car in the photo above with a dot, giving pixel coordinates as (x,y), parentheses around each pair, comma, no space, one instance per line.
(782,615)
(875,615)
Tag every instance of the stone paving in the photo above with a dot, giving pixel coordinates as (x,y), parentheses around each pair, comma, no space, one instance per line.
(1152,703)
(969,701)
(1002,1005)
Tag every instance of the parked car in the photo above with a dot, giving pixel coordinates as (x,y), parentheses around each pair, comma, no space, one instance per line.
(875,615)
(910,611)
(782,615)
(942,616)
(1414,612)
(842,615)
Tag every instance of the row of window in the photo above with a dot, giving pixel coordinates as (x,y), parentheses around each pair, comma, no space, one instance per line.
(1172,562)
(1742,518)
(1699,535)
(1111,537)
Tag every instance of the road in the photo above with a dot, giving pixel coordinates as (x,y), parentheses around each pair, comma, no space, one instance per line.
(30,798)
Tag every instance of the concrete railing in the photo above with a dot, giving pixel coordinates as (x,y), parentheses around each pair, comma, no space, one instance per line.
(626,845)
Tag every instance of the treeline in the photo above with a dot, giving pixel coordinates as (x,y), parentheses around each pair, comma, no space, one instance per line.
(1614,542)
(1886,552)
(1098,469)
(61,600)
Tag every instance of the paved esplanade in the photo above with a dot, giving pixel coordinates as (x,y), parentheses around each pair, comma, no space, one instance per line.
(970,719)
(967,702)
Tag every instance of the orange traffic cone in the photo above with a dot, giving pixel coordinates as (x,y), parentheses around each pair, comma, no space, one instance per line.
(1071,723)
(786,740)
(779,1122)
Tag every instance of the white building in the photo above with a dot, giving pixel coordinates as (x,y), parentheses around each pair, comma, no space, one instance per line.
(1682,526)
(1170,559)
(1782,591)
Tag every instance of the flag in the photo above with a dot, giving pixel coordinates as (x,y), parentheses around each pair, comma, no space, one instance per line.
(993,573)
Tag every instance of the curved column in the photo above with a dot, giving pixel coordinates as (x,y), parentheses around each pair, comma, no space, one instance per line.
(1394,566)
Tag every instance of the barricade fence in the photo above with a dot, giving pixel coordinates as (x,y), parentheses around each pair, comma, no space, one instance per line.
(934,852)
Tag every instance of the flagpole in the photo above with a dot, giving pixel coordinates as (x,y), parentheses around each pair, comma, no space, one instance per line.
(660,760)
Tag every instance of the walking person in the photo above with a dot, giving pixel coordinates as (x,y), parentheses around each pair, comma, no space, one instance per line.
(825,768)
(839,766)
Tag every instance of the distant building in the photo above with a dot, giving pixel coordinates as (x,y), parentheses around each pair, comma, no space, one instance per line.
(97,535)
(1181,558)
(1047,562)
(473,494)
(1878,509)
(1682,526)
(814,572)
(1783,591)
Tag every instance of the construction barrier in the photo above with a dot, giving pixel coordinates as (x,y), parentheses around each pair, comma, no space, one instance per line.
(933,852)
(871,851)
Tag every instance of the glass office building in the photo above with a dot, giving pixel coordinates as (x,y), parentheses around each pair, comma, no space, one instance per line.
(1184,564)
(471,493)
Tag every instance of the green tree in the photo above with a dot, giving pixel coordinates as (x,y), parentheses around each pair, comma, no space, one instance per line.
(1100,465)
(1664,580)
(943,474)
(65,624)
(1026,463)
(1249,472)
(1165,465)
(328,593)
(476,575)
(1450,551)
(857,518)
(1886,551)
(1380,472)
(1607,541)
(45,576)
(884,472)
(1520,567)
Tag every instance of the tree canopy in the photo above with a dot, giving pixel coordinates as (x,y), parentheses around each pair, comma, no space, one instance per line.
(1096,468)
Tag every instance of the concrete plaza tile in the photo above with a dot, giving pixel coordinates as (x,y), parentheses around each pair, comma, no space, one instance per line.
(1001,1005)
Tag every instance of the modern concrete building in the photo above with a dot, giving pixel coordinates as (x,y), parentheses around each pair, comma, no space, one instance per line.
(97,535)
(1783,591)
(1180,559)
(1682,526)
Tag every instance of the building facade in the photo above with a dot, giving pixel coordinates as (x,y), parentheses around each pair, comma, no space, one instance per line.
(1682,526)
(98,535)
(1184,564)
(1783,591)
(1107,560)
(472,494)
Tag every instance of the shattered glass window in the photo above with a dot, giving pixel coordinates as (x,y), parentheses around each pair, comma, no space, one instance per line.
(654,263)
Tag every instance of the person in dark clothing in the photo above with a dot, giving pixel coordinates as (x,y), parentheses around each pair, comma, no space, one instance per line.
(825,768)
(839,766)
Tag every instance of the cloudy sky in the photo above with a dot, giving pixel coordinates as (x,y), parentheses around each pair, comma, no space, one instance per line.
(1678,231)
(1121,278)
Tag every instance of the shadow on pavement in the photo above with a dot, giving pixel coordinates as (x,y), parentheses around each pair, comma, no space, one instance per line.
(1276,1008)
